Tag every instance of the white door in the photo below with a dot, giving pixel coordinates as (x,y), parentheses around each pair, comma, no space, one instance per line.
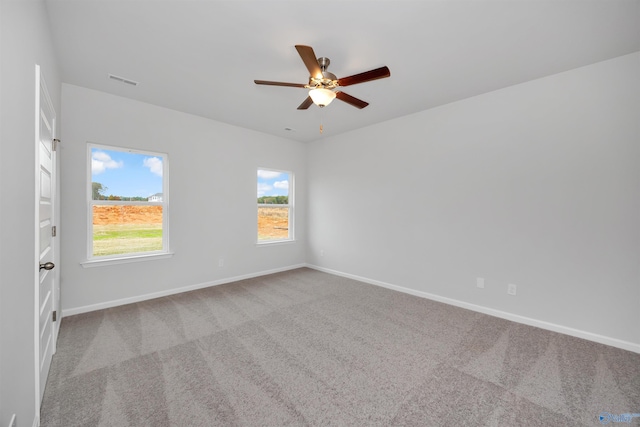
(46,292)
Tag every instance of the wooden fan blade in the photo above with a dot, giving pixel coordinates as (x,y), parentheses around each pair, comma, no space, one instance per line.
(306,103)
(367,76)
(358,103)
(309,58)
(265,82)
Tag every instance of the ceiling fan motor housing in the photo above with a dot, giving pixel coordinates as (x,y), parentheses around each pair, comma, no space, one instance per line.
(328,80)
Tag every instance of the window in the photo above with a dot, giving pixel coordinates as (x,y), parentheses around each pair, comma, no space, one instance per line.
(128,200)
(275,206)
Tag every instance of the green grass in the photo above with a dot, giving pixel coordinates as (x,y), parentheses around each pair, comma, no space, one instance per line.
(126,238)
(127,234)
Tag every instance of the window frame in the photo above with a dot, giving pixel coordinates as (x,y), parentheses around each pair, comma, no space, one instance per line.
(290,206)
(91,260)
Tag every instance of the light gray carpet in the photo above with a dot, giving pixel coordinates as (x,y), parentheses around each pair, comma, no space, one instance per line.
(308,348)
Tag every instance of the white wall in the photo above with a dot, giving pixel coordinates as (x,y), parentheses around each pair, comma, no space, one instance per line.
(537,184)
(212,177)
(24,42)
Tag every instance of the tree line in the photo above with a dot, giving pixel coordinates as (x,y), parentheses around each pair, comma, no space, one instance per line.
(99,193)
(274,200)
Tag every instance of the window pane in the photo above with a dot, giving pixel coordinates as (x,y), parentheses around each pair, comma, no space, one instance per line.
(273,190)
(273,223)
(126,229)
(128,208)
(126,176)
(273,187)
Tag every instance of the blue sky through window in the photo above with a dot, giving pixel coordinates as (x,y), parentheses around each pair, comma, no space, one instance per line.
(126,174)
(273,183)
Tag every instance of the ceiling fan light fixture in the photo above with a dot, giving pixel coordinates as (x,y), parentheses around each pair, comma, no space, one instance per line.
(322,97)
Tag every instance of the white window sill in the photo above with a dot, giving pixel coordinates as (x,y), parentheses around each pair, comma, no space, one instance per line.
(275,242)
(124,260)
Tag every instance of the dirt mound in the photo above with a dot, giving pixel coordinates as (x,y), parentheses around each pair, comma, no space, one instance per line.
(107,215)
(273,223)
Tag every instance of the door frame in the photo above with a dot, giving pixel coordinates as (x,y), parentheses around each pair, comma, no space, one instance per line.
(41,84)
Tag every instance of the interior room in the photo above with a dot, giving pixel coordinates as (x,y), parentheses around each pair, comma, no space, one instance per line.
(473,187)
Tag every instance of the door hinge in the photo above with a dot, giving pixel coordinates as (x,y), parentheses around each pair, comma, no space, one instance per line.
(55,315)
(54,146)
(53,231)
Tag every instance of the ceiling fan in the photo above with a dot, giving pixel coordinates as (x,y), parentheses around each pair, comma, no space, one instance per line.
(322,83)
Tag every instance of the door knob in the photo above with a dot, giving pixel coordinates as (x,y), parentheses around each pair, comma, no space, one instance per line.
(47,266)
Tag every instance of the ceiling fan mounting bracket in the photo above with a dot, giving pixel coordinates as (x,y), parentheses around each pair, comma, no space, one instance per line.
(324,63)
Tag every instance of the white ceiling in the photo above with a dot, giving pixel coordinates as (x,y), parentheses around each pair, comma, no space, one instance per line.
(201,57)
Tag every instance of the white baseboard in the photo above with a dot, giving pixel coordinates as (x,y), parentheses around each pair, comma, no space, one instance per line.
(145,297)
(613,342)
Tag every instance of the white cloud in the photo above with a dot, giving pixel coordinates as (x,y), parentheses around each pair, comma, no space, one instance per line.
(154,164)
(281,185)
(268,174)
(101,161)
(263,188)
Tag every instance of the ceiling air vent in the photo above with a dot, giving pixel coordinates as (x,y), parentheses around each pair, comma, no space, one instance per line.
(123,80)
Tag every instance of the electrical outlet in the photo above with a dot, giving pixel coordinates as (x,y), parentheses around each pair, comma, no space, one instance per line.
(14,421)
(220,262)
(321,252)
(480,282)
(511,289)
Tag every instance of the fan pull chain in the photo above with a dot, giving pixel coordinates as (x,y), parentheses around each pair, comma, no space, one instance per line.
(321,117)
